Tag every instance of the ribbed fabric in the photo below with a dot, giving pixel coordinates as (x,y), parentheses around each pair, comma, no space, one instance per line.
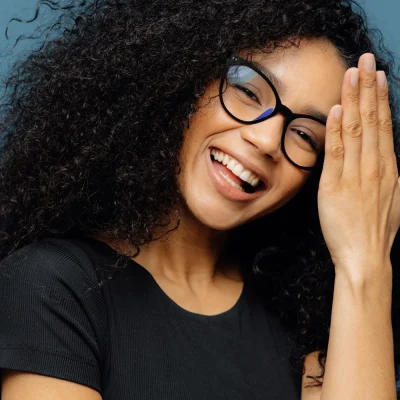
(126,338)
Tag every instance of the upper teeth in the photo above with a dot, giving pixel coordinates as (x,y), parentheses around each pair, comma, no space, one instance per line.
(236,167)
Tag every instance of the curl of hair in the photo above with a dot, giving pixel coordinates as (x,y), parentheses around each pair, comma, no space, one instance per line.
(93,123)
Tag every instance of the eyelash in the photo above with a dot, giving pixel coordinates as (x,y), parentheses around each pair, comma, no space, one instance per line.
(312,142)
(247,91)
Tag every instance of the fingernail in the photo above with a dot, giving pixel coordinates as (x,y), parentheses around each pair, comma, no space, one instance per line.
(381,79)
(338,112)
(354,77)
(369,62)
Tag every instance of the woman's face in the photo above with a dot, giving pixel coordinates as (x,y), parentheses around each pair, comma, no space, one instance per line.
(310,79)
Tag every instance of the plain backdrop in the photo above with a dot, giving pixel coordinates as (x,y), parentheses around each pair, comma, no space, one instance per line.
(382,14)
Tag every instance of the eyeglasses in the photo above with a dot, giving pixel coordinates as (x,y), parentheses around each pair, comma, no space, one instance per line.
(249,97)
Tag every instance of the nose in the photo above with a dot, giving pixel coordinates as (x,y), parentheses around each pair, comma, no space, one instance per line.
(266,136)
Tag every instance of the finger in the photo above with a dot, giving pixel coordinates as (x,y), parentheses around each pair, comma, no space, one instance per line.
(334,150)
(370,157)
(385,128)
(351,125)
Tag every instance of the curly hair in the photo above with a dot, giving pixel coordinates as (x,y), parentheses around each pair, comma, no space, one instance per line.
(93,125)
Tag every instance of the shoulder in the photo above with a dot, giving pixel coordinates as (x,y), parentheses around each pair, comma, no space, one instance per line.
(53,277)
(50,261)
(50,290)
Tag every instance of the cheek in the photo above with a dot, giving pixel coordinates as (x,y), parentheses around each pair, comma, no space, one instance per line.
(290,184)
(209,119)
(295,182)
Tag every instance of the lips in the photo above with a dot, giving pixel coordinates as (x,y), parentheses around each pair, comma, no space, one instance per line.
(245,175)
(227,181)
(229,176)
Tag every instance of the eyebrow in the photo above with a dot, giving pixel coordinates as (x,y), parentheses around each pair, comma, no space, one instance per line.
(281,87)
(315,113)
(273,78)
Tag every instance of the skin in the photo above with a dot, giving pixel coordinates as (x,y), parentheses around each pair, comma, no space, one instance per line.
(359,168)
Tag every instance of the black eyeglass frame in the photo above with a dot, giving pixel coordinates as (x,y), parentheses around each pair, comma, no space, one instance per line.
(280,108)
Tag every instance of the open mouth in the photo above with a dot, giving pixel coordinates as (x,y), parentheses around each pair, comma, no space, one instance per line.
(235,173)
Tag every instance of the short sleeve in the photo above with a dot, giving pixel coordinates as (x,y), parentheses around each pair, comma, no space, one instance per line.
(52,313)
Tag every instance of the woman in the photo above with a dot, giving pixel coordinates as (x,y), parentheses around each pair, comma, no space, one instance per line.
(182,194)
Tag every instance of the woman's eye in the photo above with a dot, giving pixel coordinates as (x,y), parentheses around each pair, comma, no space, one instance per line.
(248,93)
(307,138)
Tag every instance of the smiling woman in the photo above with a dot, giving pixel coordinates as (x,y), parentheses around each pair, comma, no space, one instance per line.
(185,207)
(262,147)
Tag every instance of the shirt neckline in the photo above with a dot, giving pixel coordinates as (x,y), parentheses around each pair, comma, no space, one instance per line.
(176,308)
(171,304)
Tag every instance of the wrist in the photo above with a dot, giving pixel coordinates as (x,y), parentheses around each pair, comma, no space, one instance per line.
(366,280)
(361,271)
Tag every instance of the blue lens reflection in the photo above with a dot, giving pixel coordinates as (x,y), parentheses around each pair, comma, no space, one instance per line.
(241,74)
(265,114)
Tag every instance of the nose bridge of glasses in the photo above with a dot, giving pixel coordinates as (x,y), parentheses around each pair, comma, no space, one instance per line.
(280,112)
(285,112)
(268,133)
(278,119)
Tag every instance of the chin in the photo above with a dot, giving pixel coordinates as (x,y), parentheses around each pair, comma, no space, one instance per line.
(214,215)
(218,223)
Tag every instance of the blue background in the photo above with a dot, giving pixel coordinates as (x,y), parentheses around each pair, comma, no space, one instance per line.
(382,14)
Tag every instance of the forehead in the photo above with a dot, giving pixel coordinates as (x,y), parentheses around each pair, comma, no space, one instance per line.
(311,74)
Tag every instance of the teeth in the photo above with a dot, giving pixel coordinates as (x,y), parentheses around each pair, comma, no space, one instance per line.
(254,182)
(237,168)
(234,184)
(245,175)
(232,164)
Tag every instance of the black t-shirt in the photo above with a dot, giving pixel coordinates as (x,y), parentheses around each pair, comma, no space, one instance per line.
(126,338)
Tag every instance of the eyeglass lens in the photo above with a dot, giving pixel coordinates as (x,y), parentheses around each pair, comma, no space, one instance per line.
(249,97)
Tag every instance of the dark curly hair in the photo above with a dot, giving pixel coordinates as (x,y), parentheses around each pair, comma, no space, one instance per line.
(93,124)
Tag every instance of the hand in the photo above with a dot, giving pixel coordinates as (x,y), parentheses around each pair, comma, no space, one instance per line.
(359,192)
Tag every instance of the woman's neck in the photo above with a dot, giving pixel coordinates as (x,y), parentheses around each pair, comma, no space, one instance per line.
(190,255)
